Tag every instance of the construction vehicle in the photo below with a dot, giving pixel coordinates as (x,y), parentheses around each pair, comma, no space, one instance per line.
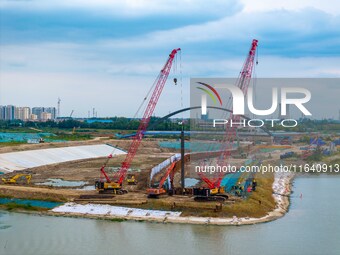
(208,195)
(15,179)
(287,155)
(131,179)
(212,193)
(158,189)
(242,82)
(106,184)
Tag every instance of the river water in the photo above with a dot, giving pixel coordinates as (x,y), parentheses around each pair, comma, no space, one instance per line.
(312,226)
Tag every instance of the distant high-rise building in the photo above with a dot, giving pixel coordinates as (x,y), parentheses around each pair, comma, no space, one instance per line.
(45,116)
(10,112)
(2,112)
(22,113)
(52,111)
(38,111)
(33,117)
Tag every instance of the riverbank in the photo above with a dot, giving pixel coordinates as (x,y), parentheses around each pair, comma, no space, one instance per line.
(281,188)
(281,192)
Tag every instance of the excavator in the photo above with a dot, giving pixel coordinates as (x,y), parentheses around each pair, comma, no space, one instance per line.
(157,190)
(115,185)
(131,179)
(15,178)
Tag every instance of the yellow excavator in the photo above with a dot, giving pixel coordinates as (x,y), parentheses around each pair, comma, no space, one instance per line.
(131,179)
(15,178)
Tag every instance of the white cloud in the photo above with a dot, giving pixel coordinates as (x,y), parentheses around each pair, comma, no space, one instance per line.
(114,75)
(134,8)
(296,31)
(114,88)
(329,6)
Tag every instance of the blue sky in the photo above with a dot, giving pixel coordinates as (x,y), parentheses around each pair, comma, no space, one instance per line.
(106,53)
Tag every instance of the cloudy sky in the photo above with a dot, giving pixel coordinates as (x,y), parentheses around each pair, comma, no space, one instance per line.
(107,53)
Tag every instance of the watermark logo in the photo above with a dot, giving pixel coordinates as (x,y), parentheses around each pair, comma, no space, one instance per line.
(211,92)
(239,99)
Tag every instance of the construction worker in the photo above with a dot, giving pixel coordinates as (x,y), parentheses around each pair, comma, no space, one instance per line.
(254,184)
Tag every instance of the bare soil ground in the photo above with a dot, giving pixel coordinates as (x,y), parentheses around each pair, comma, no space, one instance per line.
(148,155)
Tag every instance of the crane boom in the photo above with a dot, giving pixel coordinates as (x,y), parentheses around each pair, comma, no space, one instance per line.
(159,190)
(242,82)
(247,69)
(168,171)
(137,139)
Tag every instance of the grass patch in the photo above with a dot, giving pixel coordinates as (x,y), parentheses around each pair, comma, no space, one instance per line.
(12,143)
(15,207)
(117,220)
(28,196)
(248,207)
(69,137)
(259,203)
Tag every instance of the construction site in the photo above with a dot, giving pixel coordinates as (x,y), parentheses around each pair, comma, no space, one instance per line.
(145,174)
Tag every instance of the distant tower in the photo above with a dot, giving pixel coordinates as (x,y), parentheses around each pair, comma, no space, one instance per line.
(59,101)
(93,112)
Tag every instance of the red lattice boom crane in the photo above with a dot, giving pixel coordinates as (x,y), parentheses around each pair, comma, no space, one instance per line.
(242,82)
(116,183)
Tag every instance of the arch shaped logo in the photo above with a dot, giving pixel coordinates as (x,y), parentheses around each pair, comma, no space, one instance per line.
(211,92)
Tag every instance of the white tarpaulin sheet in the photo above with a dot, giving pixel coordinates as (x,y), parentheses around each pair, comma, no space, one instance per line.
(98,209)
(34,158)
(164,164)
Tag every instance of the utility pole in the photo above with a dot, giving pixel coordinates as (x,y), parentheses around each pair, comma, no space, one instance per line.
(182,160)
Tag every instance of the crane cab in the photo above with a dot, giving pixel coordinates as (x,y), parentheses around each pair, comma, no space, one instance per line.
(216,190)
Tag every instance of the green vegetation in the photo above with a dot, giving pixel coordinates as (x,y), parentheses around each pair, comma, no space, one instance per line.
(117,220)
(68,137)
(258,204)
(28,207)
(118,123)
(12,143)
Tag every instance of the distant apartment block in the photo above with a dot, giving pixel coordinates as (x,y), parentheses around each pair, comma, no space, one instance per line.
(38,111)
(33,117)
(11,112)
(52,111)
(45,116)
(22,113)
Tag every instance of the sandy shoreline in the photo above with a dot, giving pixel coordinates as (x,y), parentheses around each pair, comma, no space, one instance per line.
(281,192)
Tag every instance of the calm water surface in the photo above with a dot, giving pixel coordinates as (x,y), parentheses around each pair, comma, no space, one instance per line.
(312,226)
